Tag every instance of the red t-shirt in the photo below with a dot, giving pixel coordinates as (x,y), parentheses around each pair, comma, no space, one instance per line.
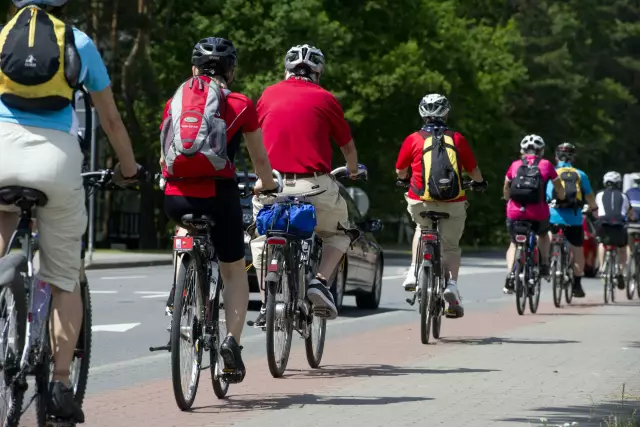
(240,116)
(411,155)
(298,118)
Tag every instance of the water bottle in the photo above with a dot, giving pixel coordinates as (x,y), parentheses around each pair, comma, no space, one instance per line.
(39,306)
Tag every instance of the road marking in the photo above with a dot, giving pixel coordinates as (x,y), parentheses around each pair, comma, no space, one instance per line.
(152,294)
(120,327)
(121,277)
(93,291)
(463,272)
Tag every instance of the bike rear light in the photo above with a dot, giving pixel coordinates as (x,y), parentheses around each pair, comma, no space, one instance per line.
(428,256)
(182,243)
(278,241)
(429,237)
(521,239)
(273,266)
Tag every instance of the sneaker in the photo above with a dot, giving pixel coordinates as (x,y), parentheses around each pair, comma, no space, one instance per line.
(452,296)
(508,285)
(578,292)
(261,320)
(232,357)
(62,404)
(620,280)
(410,281)
(321,298)
(545,271)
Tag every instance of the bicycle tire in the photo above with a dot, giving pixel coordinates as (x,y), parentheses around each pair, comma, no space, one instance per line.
(42,379)
(220,386)
(568,287)
(556,281)
(605,277)
(637,272)
(426,301)
(534,300)
(520,289)
(438,310)
(83,347)
(629,279)
(277,369)
(16,399)
(314,356)
(185,287)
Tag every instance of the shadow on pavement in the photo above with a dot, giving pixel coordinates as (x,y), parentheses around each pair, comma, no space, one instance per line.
(498,340)
(611,413)
(355,371)
(253,402)
(354,312)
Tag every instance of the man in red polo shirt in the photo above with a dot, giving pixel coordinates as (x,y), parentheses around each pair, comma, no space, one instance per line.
(434,109)
(298,118)
(194,191)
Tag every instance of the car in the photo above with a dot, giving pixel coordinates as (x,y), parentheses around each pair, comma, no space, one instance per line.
(590,247)
(360,272)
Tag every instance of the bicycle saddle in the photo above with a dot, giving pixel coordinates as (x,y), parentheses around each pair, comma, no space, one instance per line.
(23,197)
(432,215)
(199,222)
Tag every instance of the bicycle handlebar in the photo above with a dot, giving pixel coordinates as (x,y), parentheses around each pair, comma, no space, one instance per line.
(343,172)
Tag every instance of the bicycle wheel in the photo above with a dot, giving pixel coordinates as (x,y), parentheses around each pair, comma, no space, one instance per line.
(568,286)
(519,285)
(13,320)
(426,302)
(629,279)
(557,279)
(437,310)
(606,278)
(613,280)
(534,300)
(82,354)
(637,271)
(42,379)
(314,342)
(220,386)
(279,323)
(186,348)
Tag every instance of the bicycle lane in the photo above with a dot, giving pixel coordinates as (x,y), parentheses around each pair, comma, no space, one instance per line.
(386,352)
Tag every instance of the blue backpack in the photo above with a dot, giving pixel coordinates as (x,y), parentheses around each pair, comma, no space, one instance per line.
(297,219)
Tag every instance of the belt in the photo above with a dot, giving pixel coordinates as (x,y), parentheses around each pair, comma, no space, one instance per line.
(302,175)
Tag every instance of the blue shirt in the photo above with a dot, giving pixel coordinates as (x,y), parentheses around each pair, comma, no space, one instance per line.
(93,75)
(569,216)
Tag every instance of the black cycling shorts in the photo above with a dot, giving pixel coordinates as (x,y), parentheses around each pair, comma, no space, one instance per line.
(612,235)
(228,233)
(574,235)
(538,227)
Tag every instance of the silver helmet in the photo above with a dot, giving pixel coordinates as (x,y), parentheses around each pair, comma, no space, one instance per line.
(612,178)
(305,61)
(55,3)
(532,143)
(434,106)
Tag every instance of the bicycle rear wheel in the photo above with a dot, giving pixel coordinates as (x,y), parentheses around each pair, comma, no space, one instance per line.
(606,277)
(186,347)
(629,279)
(279,322)
(519,283)
(13,320)
(437,310)
(314,342)
(557,279)
(82,354)
(534,300)
(568,286)
(426,302)
(220,386)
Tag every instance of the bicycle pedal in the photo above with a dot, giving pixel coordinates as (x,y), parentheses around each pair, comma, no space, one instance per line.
(410,288)
(411,301)
(321,313)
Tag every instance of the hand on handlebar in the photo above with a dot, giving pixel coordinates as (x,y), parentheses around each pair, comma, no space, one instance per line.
(478,186)
(124,178)
(273,187)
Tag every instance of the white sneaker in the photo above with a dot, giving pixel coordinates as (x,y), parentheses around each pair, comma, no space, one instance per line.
(410,281)
(452,296)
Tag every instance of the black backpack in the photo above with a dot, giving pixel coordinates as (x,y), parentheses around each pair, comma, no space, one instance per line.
(612,201)
(526,187)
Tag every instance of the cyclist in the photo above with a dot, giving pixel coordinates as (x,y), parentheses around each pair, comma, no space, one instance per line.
(614,211)
(434,110)
(39,146)
(299,118)
(569,212)
(190,188)
(524,188)
(633,194)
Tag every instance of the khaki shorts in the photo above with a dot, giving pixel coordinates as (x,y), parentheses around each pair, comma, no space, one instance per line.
(331,210)
(451,229)
(50,161)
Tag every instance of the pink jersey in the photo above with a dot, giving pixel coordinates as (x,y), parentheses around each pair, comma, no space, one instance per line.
(537,212)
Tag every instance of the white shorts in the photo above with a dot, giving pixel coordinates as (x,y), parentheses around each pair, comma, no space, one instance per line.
(331,210)
(50,161)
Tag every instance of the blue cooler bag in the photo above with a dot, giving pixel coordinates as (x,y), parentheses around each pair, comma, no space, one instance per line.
(298,219)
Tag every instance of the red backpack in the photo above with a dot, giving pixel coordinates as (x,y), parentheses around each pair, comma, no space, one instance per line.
(194,134)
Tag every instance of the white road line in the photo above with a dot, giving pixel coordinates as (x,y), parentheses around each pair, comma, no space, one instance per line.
(121,277)
(121,327)
(463,272)
(93,291)
(152,294)
(162,295)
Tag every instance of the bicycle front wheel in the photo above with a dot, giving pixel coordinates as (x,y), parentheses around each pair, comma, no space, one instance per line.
(186,347)
(606,277)
(426,302)
(279,323)
(220,386)
(557,278)
(629,279)
(82,354)
(13,320)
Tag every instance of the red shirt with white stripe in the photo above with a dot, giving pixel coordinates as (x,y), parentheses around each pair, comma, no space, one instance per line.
(241,117)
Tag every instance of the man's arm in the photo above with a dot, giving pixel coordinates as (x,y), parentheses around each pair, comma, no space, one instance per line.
(467,158)
(405,157)
(351,156)
(505,189)
(259,158)
(116,132)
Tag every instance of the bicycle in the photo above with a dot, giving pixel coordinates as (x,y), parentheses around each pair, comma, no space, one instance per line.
(610,271)
(632,273)
(198,300)
(25,306)
(294,263)
(430,273)
(561,266)
(526,268)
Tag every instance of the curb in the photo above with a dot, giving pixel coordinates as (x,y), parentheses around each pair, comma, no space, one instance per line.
(131,264)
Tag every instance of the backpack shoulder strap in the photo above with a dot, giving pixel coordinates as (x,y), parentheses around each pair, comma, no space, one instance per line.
(537,161)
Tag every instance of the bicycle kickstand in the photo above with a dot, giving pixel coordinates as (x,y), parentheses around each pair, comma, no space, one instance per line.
(161,348)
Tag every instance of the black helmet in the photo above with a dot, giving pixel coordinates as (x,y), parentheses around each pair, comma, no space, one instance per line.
(566,152)
(22,3)
(215,54)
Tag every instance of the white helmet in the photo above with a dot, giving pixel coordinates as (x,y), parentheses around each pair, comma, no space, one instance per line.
(635,179)
(613,178)
(434,105)
(532,143)
(304,60)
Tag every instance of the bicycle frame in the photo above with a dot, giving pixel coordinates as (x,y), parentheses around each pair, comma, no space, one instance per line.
(429,256)
(528,244)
